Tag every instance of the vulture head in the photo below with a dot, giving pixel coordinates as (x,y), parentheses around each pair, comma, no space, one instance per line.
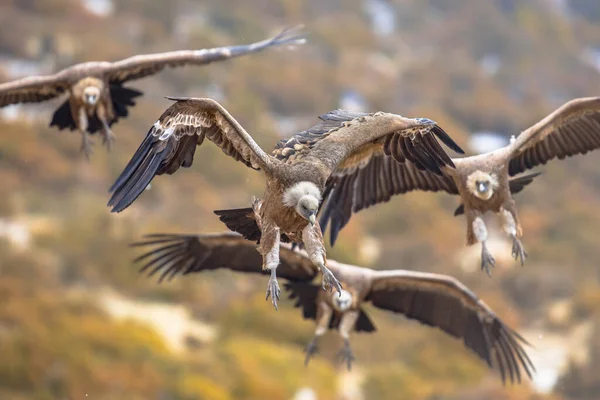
(482,184)
(91,95)
(305,198)
(343,301)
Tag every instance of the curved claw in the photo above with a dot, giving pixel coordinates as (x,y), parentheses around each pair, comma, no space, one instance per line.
(487,261)
(330,281)
(310,350)
(346,355)
(273,290)
(518,252)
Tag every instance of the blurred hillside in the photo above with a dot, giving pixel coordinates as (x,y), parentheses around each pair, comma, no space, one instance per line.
(76,318)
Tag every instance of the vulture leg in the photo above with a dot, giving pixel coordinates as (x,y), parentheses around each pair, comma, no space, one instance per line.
(347,323)
(269,248)
(324,314)
(510,226)
(108,136)
(82,125)
(480,232)
(313,241)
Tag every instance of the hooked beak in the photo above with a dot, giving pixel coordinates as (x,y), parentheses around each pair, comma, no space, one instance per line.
(312,218)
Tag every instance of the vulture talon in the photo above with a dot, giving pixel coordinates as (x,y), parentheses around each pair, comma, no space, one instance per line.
(487,261)
(518,252)
(310,350)
(109,139)
(273,290)
(330,281)
(345,355)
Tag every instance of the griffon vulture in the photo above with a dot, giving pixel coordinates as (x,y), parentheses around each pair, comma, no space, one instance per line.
(295,172)
(97,97)
(435,300)
(484,182)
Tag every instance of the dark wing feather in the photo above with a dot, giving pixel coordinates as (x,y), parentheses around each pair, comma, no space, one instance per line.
(243,221)
(515,185)
(174,254)
(171,144)
(141,66)
(443,302)
(350,190)
(33,89)
(572,129)
(306,293)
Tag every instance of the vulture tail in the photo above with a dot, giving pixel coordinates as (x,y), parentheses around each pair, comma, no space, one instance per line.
(515,185)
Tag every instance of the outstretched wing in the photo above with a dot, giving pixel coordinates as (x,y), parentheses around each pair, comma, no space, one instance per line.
(33,89)
(345,139)
(175,254)
(443,302)
(349,190)
(141,66)
(171,143)
(515,185)
(572,129)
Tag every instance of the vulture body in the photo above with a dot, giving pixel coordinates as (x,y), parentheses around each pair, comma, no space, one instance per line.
(435,300)
(485,182)
(296,171)
(97,97)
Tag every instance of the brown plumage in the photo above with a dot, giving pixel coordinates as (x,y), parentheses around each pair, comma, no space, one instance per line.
(97,97)
(483,182)
(435,300)
(295,172)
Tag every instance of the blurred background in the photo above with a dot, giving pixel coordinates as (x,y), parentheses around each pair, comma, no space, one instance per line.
(78,321)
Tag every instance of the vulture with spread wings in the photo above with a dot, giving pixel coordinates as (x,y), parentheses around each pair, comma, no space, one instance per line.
(295,172)
(435,300)
(97,97)
(484,182)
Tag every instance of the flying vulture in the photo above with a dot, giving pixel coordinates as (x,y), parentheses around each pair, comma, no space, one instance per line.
(295,172)
(432,299)
(97,97)
(484,182)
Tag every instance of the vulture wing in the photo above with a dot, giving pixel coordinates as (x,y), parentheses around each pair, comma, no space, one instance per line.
(349,190)
(34,89)
(444,302)
(140,66)
(171,143)
(572,129)
(174,254)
